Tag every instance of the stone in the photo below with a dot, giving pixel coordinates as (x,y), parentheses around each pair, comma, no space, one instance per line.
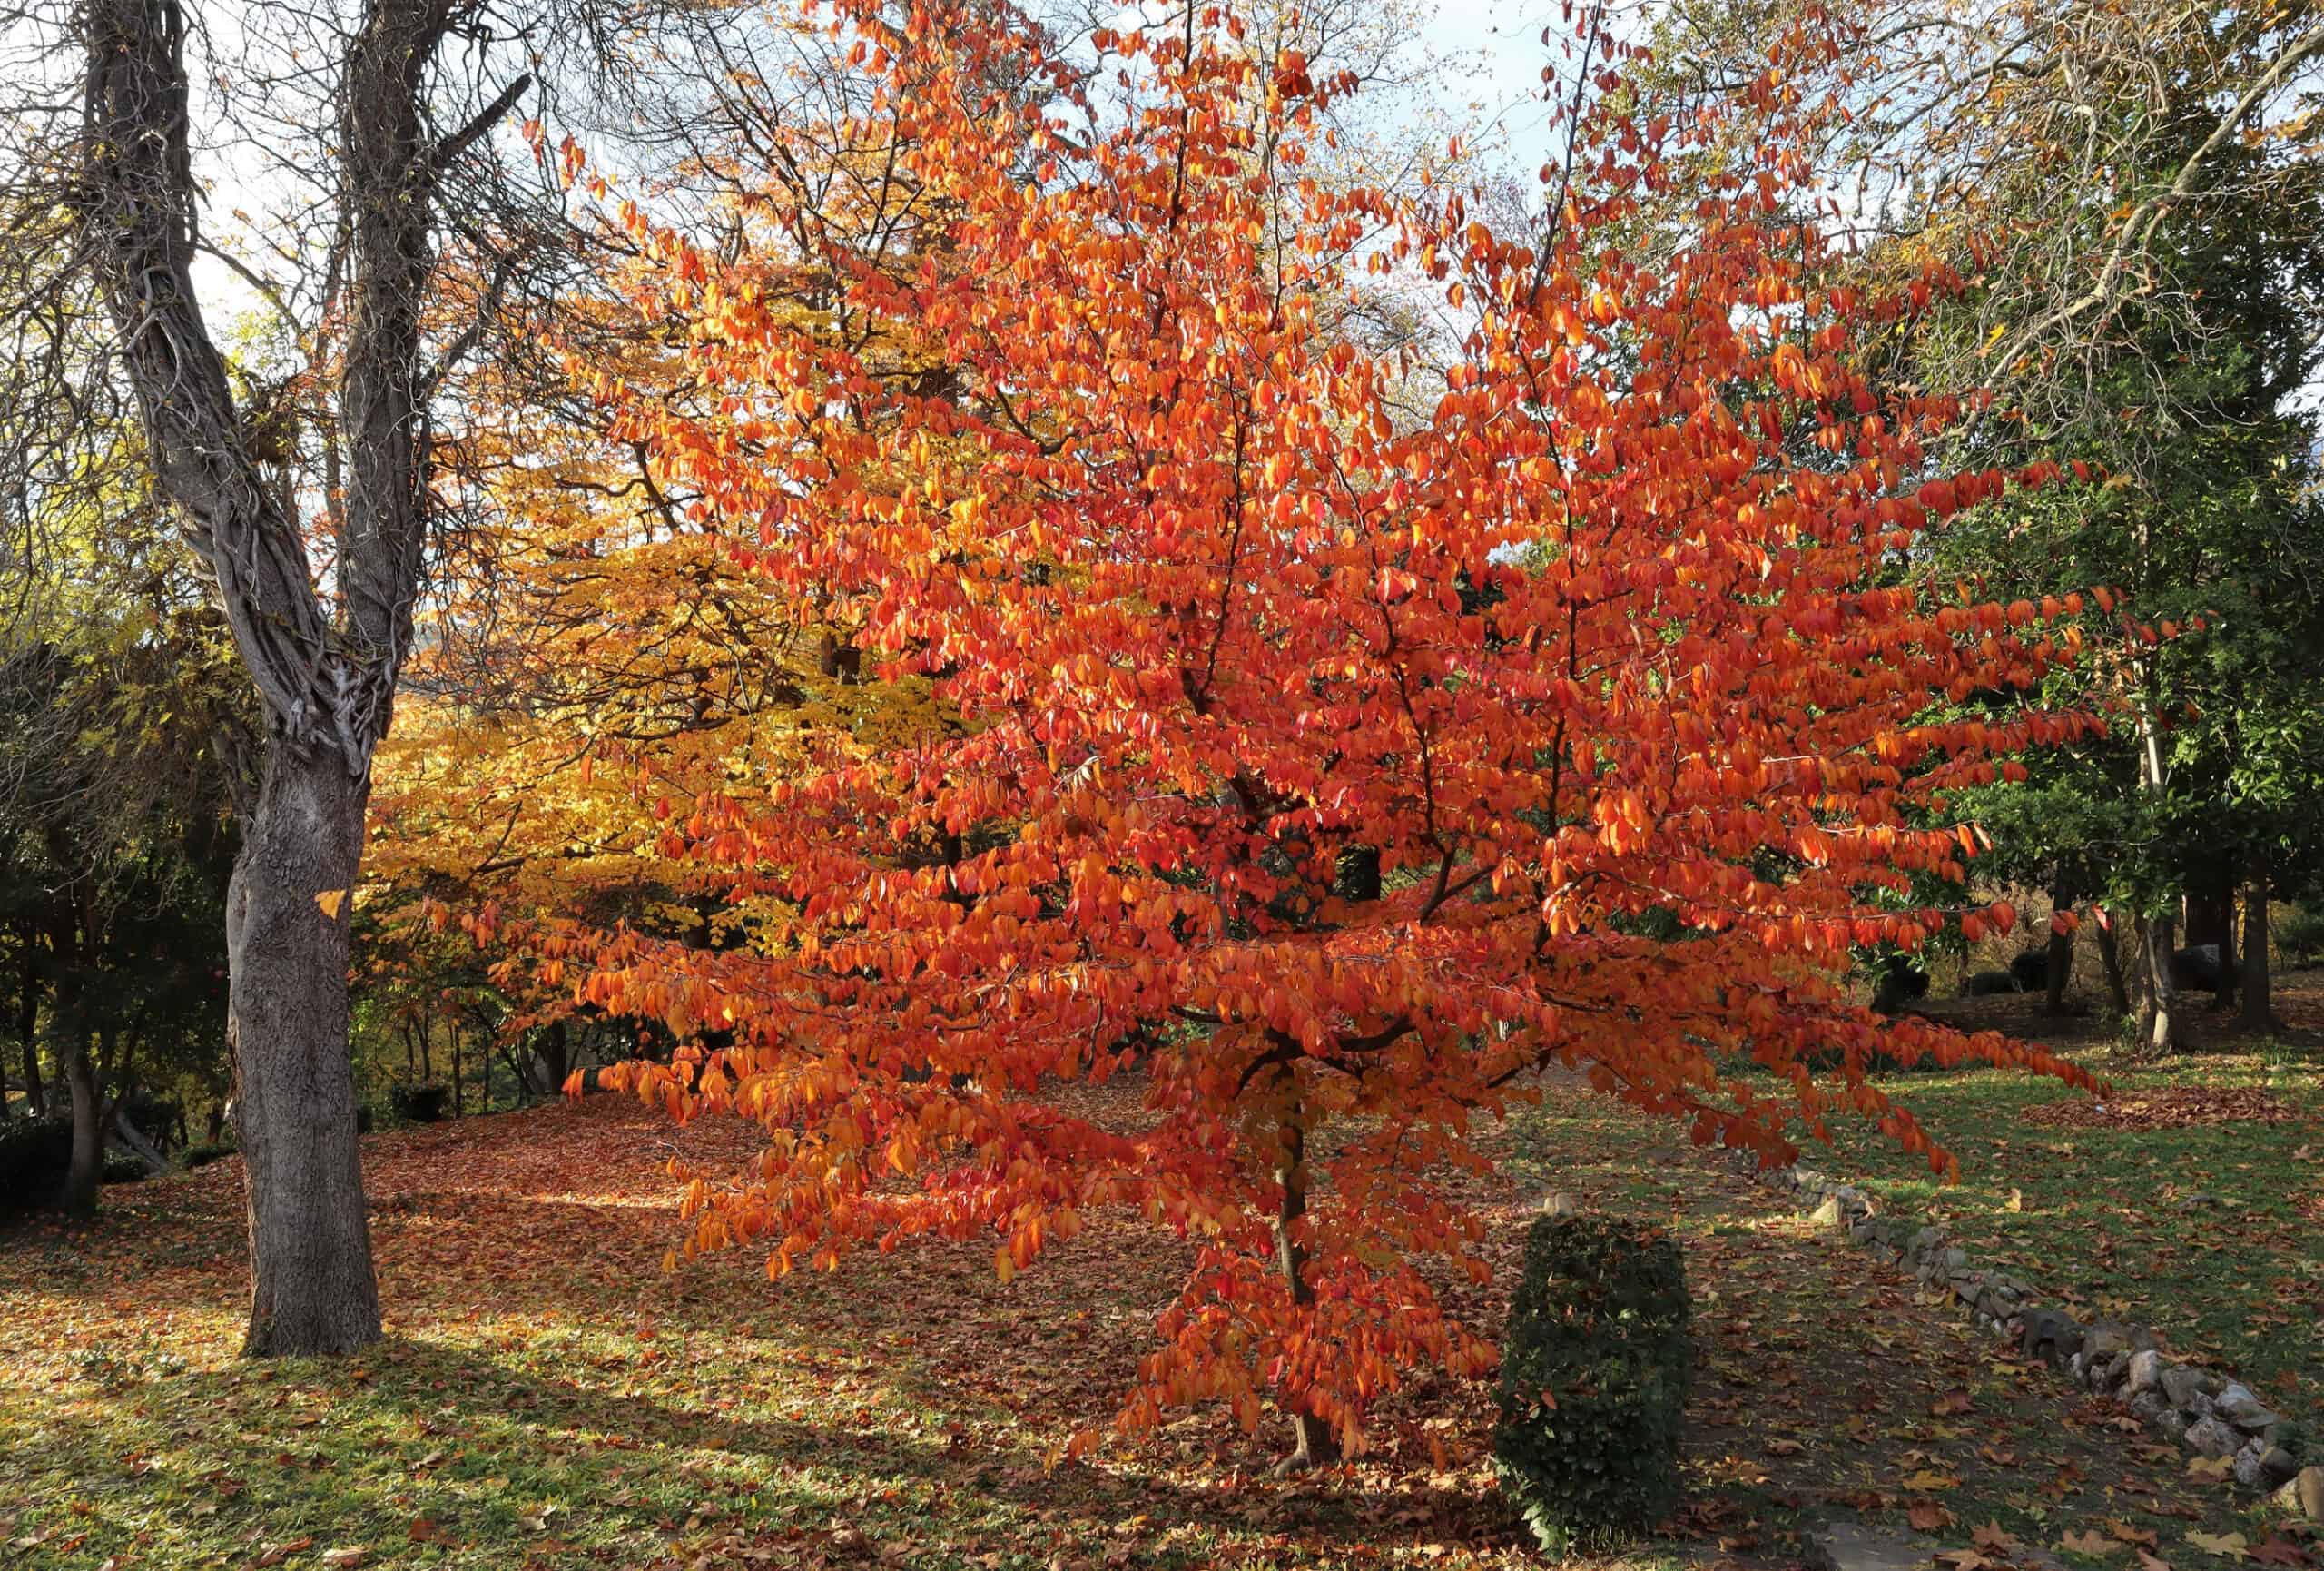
(2148,1406)
(2210,1437)
(2304,1494)
(2146,1371)
(2106,1339)
(2050,1334)
(2173,1422)
(2238,1406)
(2277,1466)
(1927,1239)
(2246,1465)
(1853,1547)
(1956,1258)
(2180,1385)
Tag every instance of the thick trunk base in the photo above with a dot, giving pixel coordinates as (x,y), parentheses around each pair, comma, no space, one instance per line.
(313,1290)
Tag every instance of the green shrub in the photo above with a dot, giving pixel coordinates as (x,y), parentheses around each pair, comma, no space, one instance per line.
(2299,934)
(206,1152)
(423,1103)
(123,1169)
(34,1155)
(1594,1371)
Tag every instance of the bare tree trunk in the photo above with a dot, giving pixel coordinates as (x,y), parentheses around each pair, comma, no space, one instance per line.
(2259,1002)
(2158,1021)
(2110,955)
(312,1289)
(2058,964)
(325,668)
(86,1171)
(1313,1441)
(28,1023)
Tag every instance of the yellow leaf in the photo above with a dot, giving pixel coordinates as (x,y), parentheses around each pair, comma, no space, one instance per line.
(330,900)
(2230,1544)
(1925,1480)
(2089,1543)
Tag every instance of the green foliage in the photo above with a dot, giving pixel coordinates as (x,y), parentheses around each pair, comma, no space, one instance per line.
(423,1103)
(122,1168)
(2299,934)
(1595,1367)
(206,1152)
(34,1153)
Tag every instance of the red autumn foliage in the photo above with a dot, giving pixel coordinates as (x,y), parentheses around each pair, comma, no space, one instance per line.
(1330,736)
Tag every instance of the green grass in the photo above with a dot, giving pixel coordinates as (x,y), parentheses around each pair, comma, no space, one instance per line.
(2212,1234)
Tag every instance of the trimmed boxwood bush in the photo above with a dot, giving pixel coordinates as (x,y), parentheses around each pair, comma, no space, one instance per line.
(424,1103)
(1594,1371)
(33,1155)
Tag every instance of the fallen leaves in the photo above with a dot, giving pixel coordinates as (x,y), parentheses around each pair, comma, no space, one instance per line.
(2229,1546)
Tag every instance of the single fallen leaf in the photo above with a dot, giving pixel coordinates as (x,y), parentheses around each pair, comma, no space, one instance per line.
(1784,1447)
(1994,1537)
(1928,1516)
(2130,1535)
(2281,1551)
(1950,1402)
(2093,1544)
(1927,1481)
(424,1530)
(1964,1560)
(2152,1561)
(2233,1546)
(276,1553)
(342,1559)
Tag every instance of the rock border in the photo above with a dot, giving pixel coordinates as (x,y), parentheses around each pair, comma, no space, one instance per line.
(2209,1416)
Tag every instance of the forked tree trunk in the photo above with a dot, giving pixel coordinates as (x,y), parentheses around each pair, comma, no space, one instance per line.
(312,1289)
(2259,1002)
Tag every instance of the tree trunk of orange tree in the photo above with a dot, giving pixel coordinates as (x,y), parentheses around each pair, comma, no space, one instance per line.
(311,1285)
(2258,1004)
(1313,1441)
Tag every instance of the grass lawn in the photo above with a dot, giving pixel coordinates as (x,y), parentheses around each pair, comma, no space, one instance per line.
(548,1397)
(2192,1200)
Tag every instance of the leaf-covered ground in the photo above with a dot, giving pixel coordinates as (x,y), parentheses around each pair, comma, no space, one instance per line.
(547,1398)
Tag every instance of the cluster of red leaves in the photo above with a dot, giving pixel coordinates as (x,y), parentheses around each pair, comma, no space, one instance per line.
(1601,641)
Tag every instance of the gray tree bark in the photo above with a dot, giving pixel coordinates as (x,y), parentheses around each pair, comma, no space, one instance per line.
(325,670)
(85,1170)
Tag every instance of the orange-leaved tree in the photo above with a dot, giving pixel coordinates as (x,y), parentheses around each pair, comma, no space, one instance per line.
(1347,729)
